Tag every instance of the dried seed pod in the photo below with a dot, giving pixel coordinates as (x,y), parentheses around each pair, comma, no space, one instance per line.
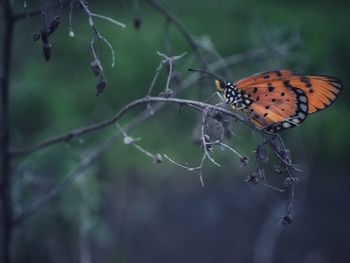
(101,85)
(158,158)
(47,51)
(54,24)
(44,35)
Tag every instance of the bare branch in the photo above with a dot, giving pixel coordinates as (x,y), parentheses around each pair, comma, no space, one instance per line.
(232,60)
(132,141)
(205,139)
(81,131)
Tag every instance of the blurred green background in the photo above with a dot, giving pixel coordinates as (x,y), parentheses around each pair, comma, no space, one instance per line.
(125,208)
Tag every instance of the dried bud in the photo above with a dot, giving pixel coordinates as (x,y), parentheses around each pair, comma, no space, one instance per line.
(101,85)
(47,51)
(137,22)
(286,220)
(167,93)
(96,67)
(54,24)
(44,35)
(158,158)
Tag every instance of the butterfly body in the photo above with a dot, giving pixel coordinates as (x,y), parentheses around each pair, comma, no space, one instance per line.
(237,98)
(281,99)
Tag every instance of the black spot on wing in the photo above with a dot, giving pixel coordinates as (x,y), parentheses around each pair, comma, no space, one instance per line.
(278,73)
(306,80)
(286,83)
(270,87)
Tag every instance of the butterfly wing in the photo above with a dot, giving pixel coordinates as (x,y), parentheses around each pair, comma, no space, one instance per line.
(320,90)
(275,107)
(283,99)
(263,77)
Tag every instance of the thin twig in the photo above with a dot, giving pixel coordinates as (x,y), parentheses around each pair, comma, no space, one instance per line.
(190,169)
(109,20)
(204,138)
(132,141)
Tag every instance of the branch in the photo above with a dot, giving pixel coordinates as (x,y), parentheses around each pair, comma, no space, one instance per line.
(5,180)
(231,60)
(81,131)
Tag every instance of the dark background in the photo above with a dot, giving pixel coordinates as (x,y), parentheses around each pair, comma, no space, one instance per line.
(125,208)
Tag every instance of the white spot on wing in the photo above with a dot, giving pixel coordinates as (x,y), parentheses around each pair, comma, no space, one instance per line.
(301,115)
(303,107)
(286,125)
(303,98)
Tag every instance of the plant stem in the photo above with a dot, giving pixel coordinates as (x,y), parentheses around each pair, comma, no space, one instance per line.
(5,181)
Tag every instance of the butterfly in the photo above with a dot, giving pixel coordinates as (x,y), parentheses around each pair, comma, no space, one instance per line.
(280,99)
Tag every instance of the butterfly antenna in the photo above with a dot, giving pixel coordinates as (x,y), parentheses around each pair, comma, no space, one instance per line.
(204,72)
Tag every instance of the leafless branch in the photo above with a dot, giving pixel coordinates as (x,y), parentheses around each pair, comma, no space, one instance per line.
(232,60)
(81,131)
(5,156)
(157,158)
(164,59)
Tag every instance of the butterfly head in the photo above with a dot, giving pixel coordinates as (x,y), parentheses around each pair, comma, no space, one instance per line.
(220,85)
(237,98)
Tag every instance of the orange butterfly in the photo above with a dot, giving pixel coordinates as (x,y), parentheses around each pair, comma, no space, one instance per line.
(280,99)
